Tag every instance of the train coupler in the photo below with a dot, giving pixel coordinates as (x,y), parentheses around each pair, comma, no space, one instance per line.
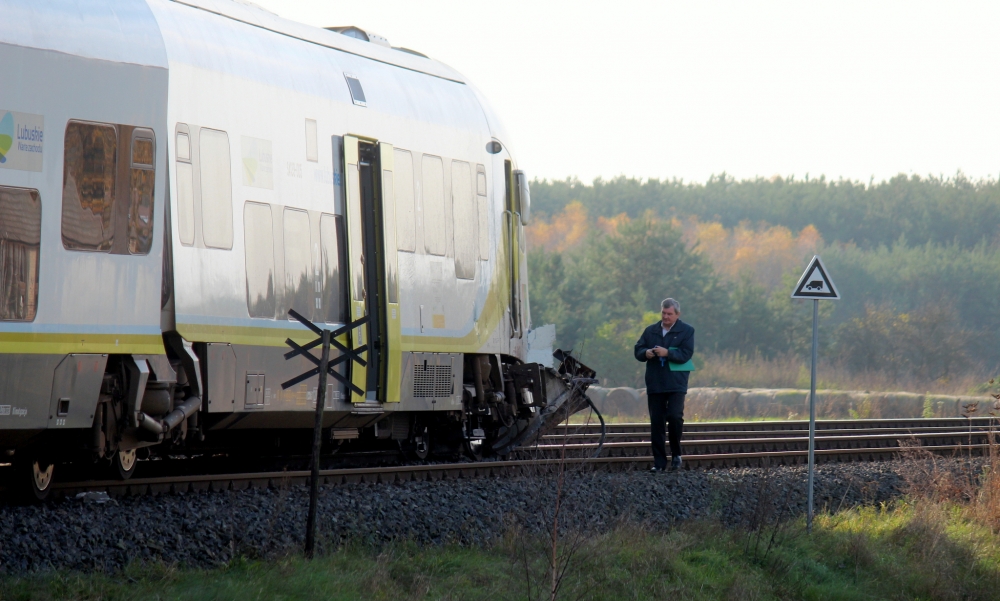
(552,395)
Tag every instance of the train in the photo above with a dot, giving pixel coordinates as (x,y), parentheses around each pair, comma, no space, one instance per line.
(211,168)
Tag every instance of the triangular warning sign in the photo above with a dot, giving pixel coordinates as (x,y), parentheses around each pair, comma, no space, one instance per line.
(815,282)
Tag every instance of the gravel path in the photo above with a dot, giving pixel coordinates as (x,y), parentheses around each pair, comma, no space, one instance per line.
(206,529)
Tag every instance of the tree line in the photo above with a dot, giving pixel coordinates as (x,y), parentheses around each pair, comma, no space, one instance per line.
(919,303)
(912,209)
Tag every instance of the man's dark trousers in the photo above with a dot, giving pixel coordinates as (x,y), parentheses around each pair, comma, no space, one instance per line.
(666,412)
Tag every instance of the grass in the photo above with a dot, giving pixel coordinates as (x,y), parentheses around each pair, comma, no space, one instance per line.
(913,550)
(352,573)
(737,370)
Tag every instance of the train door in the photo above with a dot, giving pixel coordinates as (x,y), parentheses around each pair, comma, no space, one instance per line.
(372,269)
(514,248)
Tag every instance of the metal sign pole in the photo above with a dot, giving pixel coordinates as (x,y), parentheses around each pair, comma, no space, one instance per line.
(814,284)
(812,414)
(324,367)
(324,363)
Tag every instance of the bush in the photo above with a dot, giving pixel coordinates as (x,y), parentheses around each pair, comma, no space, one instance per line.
(925,345)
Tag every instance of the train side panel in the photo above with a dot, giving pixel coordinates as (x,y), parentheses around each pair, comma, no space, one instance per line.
(264,91)
(70,70)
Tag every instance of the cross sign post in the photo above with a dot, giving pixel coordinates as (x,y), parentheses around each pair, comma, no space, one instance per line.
(324,367)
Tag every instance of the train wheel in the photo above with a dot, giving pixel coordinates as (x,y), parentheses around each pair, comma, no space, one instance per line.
(422,447)
(123,463)
(36,479)
(474,449)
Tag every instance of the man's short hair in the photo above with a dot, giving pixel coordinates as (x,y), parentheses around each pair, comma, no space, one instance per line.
(669,303)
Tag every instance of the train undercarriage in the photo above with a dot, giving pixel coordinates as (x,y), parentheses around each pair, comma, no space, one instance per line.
(152,408)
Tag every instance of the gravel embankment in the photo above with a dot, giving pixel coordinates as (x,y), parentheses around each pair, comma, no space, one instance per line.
(209,528)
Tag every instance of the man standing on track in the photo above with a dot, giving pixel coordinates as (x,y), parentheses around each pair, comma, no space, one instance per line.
(667,347)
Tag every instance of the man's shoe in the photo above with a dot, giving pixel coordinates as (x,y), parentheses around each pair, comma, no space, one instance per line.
(675,463)
(656,470)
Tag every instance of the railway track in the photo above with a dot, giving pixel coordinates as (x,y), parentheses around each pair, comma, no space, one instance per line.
(694,428)
(707,445)
(707,438)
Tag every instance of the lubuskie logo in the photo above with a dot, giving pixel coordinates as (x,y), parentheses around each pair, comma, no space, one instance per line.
(29,139)
(6,135)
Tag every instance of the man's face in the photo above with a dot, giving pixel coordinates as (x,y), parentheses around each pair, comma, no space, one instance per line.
(669,316)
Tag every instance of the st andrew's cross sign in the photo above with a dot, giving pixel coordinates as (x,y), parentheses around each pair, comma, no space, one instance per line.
(346,354)
(324,367)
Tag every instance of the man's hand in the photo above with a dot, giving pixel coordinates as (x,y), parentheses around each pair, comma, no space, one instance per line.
(650,354)
(659,351)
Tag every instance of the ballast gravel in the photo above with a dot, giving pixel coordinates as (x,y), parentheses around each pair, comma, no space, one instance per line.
(208,529)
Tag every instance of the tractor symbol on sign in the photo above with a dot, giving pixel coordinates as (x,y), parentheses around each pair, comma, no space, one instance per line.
(815,285)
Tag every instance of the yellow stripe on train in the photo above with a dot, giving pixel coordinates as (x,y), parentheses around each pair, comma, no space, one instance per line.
(61,344)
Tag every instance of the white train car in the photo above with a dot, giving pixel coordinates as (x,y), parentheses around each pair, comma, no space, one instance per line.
(175,176)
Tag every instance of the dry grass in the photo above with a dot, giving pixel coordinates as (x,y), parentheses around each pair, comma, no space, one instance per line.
(933,487)
(792,371)
(986,508)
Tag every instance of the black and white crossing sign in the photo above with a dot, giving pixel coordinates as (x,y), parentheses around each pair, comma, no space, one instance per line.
(815,283)
(324,367)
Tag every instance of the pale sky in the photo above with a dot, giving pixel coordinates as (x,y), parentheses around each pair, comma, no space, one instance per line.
(688,89)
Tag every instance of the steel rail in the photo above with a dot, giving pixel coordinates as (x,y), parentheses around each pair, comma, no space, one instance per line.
(745,445)
(445,471)
(777,444)
(829,424)
(750,434)
(869,435)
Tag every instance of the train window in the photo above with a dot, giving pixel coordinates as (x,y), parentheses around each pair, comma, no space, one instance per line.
(339,180)
(20,237)
(258,240)
(185,190)
(167,261)
(142,149)
(216,189)
(331,233)
(357,93)
(481,181)
(140,212)
(312,145)
(298,289)
(433,204)
(183,147)
(389,220)
(403,184)
(463,208)
(88,215)
(354,237)
(483,206)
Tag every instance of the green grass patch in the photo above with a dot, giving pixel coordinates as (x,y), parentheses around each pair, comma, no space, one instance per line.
(909,551)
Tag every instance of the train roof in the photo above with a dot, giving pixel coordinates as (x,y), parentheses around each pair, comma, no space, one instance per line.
(342,39)
(126,31)
(156,33)
(122,31)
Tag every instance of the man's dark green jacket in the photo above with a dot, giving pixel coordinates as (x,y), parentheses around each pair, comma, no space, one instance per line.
(659,378)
